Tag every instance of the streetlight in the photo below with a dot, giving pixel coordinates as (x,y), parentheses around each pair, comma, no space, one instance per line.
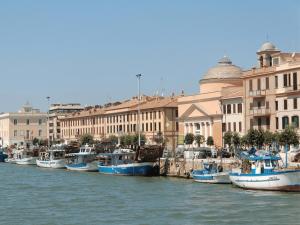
(139,110)
(48,124)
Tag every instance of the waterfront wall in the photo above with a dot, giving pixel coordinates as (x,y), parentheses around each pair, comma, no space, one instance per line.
(180,167)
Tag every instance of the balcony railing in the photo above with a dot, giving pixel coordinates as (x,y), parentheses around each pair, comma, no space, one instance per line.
(260,111)
(257,93)
(288,89)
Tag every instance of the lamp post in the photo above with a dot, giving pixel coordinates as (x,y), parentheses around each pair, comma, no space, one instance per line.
(139,110)
(48,124)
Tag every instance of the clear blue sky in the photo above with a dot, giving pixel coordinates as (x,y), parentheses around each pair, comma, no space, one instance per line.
(89,51)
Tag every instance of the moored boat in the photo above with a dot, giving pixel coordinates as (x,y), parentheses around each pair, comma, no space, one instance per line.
(84,160)
(52,158)
(25,157)
(122,162)
(212,174)
(265,174)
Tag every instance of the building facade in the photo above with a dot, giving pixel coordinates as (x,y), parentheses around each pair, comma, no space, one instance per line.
(158,115)
(272,90)
(22,127)
(56,112)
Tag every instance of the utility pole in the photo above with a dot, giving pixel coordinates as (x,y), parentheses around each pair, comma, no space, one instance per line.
(139,110)
(48,121)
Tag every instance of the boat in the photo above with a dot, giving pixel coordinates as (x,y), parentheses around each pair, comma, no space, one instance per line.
(212,174)
(52,158)
(25,157)
(3,156)
(84,160)
(266,174)
(122,162)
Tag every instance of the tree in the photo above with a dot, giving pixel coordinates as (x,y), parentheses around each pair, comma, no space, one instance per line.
(210,141)
(236,140)
(200,139)
(269,138)
(244,140)
(227,138)
(289,137)
(113,139)
(189,139)
(86,139)
(158,138)
(35,141)
(136,139)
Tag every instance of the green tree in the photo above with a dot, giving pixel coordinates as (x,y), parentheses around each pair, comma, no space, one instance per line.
(236,140)
(227,138)
(189,139)
(86,139)
(35,141)
(244,140)
(289,137)
(113,139)
(158,138)
(200,139)
(210,141)
(136,139)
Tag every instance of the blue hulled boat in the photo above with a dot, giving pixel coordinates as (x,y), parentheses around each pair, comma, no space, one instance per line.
(121,162)
(3,156)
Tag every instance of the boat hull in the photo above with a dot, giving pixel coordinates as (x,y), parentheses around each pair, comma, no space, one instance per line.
(132,169)
(215,178)
(275,181)
(26,161)
(55,164)
(84,167)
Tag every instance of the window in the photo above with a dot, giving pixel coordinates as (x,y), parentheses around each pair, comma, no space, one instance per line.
(224,127)
(240,108)
(15,133)
(159,126)
(251,123)
(27,121)
(250,85)
(267,104)
(277,123)
(228,109)
(295,121)
(285,105)
(15,121)
(259,122)
(229,127)
(234,126)
(224,109)
(234,110)
(258,84)
(276,105)
(295,103)
(240,126)
(40,133)
(286,80)
(285,122)
(267,83)
(268,122)
(276,82)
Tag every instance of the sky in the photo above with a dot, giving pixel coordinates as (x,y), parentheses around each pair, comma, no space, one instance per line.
(89,52)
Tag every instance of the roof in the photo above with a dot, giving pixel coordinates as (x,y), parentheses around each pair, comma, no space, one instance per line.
(232,92)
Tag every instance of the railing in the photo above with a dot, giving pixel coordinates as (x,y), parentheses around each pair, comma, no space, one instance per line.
(260,111)
(257,93)
(256,71)
(288,89)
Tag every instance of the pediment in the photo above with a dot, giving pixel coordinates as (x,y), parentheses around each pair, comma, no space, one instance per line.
(194,111)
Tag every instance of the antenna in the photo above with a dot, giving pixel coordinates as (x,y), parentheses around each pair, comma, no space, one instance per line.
(267,36)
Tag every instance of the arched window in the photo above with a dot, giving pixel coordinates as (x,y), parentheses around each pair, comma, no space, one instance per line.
(261,61)
(295,121)
(285,122)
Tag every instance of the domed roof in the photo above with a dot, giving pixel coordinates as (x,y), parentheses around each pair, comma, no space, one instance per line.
(267,46)
(223,70)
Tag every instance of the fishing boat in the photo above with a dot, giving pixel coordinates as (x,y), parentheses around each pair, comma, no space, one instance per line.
(212,174)
(84,160)
(265,174)
(52,158)
(122,162)
(25,157)
(3,156)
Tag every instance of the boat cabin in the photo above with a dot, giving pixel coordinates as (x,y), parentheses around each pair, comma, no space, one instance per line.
(263,164)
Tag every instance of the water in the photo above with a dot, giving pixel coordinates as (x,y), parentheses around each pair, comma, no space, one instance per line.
(32,195)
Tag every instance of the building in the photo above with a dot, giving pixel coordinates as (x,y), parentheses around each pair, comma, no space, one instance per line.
(22,127)
(56,112)
(201,114)
(158,116)
(272,91)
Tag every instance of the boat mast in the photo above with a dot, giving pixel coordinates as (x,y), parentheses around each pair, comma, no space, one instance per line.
(139,110)
(48,121)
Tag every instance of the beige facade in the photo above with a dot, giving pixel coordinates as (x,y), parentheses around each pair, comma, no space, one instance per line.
(56,112)
(201,114)
(158,114)
(23,126)
(272,90)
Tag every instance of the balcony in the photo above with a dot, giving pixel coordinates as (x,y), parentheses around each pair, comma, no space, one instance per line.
(257,93)
(286,90)
(260,111)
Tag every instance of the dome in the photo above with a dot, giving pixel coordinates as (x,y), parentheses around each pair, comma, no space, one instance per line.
(267,46)
(223,70)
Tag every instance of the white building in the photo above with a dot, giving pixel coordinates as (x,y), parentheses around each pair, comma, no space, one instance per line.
(22,127)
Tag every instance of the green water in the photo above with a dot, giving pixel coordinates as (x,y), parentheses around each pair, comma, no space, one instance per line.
(31,195)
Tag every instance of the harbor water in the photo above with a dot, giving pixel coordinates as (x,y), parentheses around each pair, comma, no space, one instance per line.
(32,195)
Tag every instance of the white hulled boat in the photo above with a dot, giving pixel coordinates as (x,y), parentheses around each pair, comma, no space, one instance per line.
(24,157)
(52,158)
(266,174)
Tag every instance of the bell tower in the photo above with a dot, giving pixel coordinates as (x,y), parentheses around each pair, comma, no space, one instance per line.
(264,54)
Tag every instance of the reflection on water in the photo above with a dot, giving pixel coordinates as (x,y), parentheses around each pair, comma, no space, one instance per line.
(31,195)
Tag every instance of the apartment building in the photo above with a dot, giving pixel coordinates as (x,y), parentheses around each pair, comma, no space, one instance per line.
(157,115)
(23,126)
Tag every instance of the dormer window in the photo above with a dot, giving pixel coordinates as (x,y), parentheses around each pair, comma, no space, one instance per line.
(275,61)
